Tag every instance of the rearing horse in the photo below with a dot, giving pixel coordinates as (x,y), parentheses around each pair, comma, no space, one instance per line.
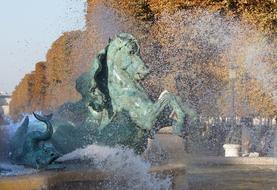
(115,88)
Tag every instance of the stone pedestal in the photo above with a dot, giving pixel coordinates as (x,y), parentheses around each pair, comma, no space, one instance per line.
(275,142)
(165,148)
(168,150)
(245,140)
(231,150)
(246,123)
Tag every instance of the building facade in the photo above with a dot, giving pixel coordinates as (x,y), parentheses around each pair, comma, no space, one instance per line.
(4,106)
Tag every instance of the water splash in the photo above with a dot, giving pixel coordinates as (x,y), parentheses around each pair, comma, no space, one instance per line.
(121,163)
(198,47)
(6,134)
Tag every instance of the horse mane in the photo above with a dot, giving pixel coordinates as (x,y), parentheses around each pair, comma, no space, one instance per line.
(100,75)
(97,77)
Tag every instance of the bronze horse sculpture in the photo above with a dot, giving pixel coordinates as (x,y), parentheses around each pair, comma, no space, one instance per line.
(120,90)
(114,109)
(117,106)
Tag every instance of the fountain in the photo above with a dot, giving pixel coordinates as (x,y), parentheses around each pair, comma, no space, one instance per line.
(114,111)
(109,139)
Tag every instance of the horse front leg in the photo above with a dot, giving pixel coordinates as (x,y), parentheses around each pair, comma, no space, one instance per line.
(179,110)
(166,99)
(154,111)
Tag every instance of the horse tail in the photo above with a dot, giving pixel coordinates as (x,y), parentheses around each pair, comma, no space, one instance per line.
(49,131)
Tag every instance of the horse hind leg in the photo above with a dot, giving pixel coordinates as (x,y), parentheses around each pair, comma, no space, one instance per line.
(168,99)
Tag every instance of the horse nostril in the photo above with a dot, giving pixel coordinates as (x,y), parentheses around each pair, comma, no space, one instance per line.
(52,154)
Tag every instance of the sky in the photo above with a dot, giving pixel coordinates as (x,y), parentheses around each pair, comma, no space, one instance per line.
(28,28)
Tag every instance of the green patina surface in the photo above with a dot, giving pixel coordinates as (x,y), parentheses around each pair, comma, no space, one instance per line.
(33,148)
(114,109)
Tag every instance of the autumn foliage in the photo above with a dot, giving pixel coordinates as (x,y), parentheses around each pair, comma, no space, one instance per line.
(188,44)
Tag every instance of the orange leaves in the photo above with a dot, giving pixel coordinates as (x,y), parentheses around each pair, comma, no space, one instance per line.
(50,79)
(184,45)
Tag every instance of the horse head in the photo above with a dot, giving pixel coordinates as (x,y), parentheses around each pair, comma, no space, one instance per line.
(124,53)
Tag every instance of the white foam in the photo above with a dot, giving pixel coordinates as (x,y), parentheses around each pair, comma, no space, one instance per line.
(121,163)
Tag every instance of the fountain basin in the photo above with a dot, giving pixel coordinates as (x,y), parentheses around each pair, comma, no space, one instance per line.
(235,177)
(75,179)
(221,161)
(78,174)
(236,173)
